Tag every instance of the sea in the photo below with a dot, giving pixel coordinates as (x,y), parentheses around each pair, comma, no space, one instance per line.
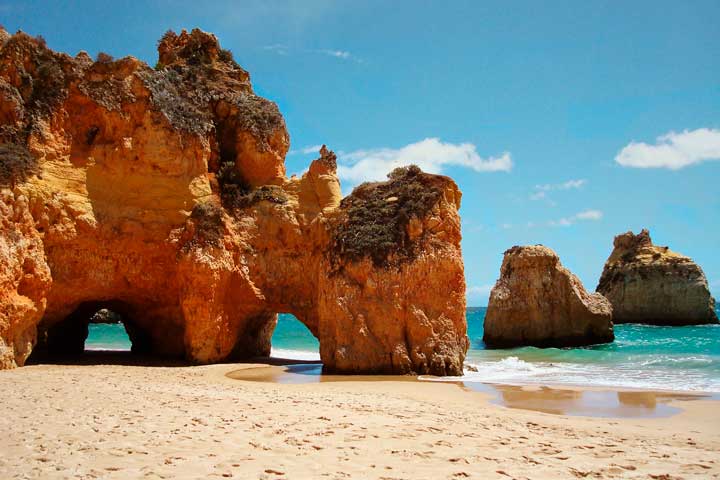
(641,357)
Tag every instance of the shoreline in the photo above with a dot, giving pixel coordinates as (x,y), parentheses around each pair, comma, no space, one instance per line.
(556,399)
(179,421)
(677,359)
(279,361)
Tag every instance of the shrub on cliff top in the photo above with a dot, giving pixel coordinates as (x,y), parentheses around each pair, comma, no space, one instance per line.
(168,36)
(103,57)
(377,215)
(44,74)
(226,56)
(169,88)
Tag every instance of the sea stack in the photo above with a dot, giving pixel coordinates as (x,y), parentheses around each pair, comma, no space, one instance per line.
(650,284)
(161,195)
(538,302)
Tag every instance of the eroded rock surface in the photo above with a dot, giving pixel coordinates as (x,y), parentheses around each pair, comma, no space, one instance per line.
(650,284)
(538,302)
(161,194)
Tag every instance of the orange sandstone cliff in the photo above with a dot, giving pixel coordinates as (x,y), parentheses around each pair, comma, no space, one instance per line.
(161,194)
(647,283)
(538,302)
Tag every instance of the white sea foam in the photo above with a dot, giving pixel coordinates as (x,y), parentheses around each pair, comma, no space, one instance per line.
(106,347)
(514,371)
(294,354)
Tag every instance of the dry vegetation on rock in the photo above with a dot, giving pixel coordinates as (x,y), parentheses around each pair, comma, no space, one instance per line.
(377,216)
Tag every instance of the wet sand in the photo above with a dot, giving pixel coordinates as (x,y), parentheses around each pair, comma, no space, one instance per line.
(554,400)
(145,420)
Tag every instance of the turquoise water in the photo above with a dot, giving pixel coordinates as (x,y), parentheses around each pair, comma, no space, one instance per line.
(668,358)
(642,356)
(107,336)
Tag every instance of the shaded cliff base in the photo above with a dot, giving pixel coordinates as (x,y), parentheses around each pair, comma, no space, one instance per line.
(193,422)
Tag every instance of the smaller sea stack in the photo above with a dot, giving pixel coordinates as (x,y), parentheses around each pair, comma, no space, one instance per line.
(538,302)
(651,284)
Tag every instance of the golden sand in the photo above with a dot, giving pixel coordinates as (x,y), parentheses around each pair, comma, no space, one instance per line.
(145,421)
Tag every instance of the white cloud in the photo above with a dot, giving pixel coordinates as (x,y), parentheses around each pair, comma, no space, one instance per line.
(281,49)
(589,215)
(311,149)
(306,150)
(482,292)
(542,190)
(480,289)
(585,215)
(278,48)
(430,154)
(573,183)
(470,226)
(673,150)
(538,195)
(343,54)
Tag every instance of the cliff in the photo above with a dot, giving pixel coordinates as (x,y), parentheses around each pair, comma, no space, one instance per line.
(161,195)
(650,284)
(538,302)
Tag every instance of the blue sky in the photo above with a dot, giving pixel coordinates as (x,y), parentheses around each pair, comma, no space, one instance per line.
(564,123)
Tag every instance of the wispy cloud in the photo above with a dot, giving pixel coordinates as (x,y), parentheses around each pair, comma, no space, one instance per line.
(562,186)
(482,291)
(539,195)
(541,191)
(470,226)
(282,49)
(673,150)
(343,54)
(306,150)
(277,48)
(585,215)
(430,154)
(311,149)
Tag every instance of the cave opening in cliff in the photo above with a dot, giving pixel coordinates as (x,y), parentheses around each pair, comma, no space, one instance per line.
(107,331)
(293,340)
(92,327)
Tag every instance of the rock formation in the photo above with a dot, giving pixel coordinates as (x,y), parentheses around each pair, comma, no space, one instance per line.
(160,194)
(650,284)
(538,302)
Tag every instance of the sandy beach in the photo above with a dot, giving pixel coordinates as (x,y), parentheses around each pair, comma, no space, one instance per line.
(138,421)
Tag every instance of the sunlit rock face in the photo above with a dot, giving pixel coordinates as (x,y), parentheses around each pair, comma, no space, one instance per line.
(538,302)
(160,193)
(650,284)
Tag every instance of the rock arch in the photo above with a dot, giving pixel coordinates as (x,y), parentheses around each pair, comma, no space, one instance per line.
(69,335)
(164,190)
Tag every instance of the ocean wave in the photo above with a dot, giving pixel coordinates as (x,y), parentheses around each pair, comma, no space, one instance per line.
(294,354)
(515,371)
(690,361)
